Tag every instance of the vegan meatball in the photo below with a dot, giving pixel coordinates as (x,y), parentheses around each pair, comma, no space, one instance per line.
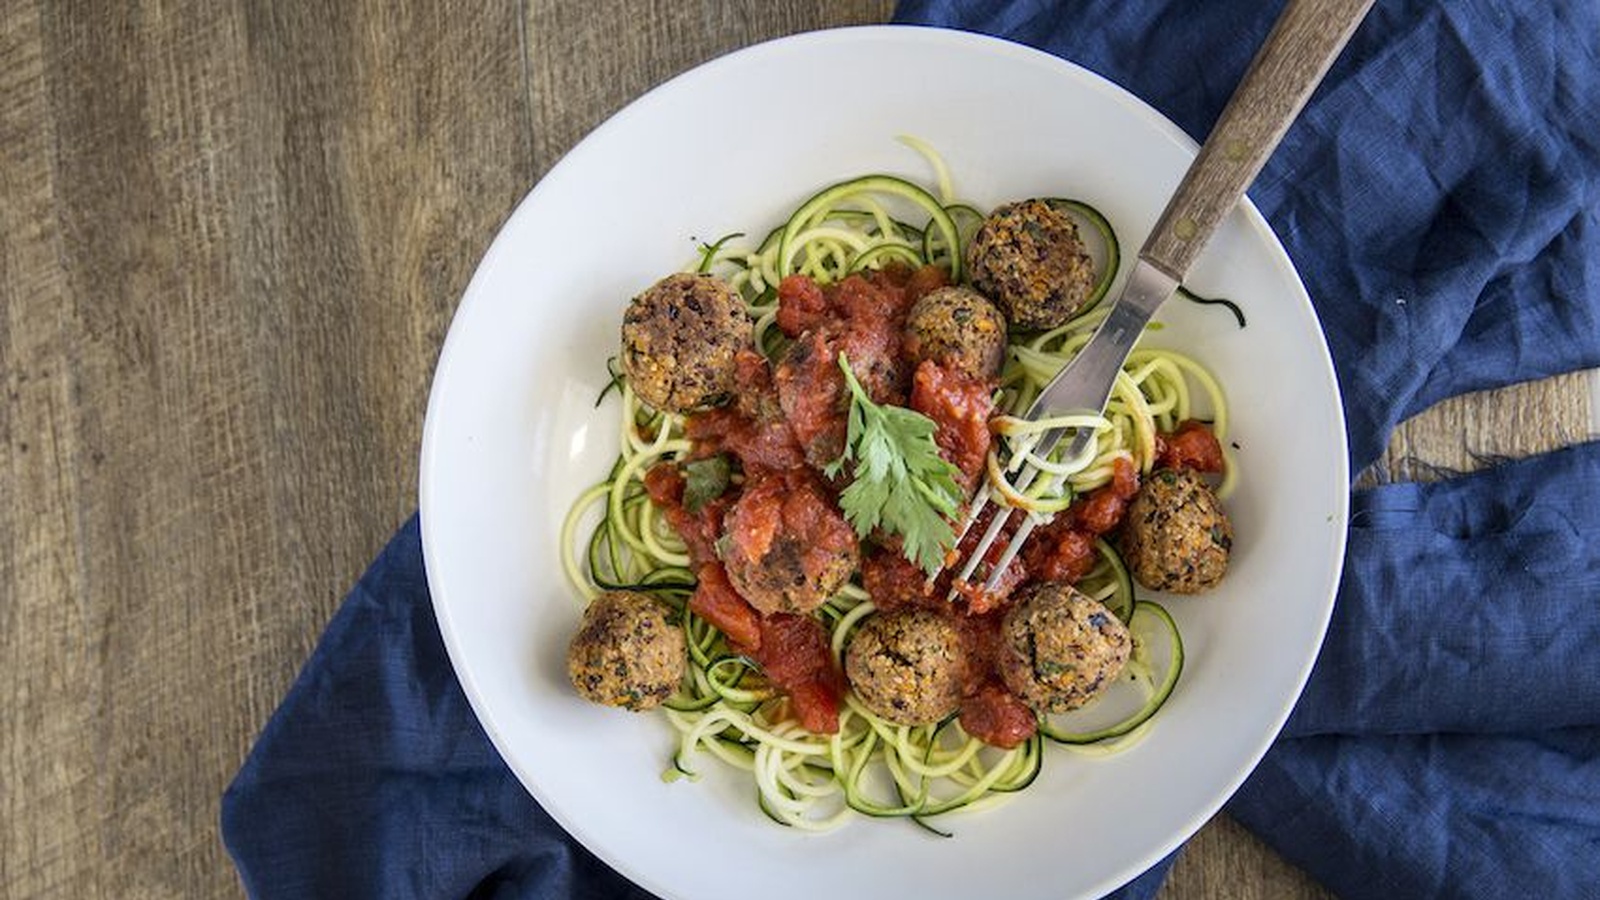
(1028,258)
(907,666)
(1176,536)
(1060,648)
(786,548)
(959,329)
(627,652)
(679,339)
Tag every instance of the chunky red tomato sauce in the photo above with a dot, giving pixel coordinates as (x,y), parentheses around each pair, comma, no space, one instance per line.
(794,654)
(863,318)
(1191,445)
(785,423)
(753,427)
(789,419)
(994,715)
(961,406)
(717,602)
(1064,550)
(989,711)
(699,529)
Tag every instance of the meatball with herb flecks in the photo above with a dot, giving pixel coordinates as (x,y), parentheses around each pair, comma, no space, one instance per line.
(628,651)
(1176,536)
(1060,648)
(679,340)
(907,666)
(786,547)
(1028,258)
(958,328)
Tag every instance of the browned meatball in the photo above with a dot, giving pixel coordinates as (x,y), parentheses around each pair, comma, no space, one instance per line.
(959,329)
(679,339)
(907,666)
(786,548)
(627,652)
(1176,536)
(1028,258)
(1060,648)
(811,391)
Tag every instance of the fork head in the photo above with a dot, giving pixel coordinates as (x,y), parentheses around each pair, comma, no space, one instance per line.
(1013,513)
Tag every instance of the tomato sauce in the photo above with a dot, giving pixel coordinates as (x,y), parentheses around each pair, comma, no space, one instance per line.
(1064,550)
(789,419)
(811,392)
(787,526)
(861,318)
(1061,554)
(752,428)
(975,596)
(1104,508)
(716,601)
(699,529)
(989,711)
(1191,445)
(960,406)
(994,715)
(795,656)
(895,582)
(802,305)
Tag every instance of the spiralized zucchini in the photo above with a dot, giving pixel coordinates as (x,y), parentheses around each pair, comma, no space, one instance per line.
(725,709)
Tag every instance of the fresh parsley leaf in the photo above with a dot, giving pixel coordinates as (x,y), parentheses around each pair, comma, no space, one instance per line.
(704,480)
(899,481)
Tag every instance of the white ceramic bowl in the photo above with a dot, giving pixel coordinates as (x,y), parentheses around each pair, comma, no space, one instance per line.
(512,437)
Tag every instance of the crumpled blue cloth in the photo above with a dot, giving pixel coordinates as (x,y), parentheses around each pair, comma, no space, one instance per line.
(1439,195)
(374,778)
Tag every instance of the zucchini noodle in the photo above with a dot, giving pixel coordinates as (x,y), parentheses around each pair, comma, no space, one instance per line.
(613,538)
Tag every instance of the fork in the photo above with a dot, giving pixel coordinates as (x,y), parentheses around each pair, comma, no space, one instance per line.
(1303,44)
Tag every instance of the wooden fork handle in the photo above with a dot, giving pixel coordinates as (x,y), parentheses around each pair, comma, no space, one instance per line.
(1303,44)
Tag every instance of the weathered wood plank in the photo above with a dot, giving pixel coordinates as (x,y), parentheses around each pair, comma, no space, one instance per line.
(47,638)
(586,61)
(240,234)
(1471,432)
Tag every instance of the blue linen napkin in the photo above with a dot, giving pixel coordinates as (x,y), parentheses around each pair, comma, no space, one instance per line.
(374,778)
(1439,195)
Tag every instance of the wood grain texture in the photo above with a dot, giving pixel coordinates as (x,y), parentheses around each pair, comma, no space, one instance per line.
(1474,431)
(588,60)
(232,235)
(239,234)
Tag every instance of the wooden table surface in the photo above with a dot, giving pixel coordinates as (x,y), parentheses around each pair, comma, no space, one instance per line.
(233,236)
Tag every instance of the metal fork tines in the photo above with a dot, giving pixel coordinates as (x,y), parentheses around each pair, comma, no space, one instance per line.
(1082,386)
(1301,47)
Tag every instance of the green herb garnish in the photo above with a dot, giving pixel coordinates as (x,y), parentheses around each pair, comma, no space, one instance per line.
(704,480)
(899,481)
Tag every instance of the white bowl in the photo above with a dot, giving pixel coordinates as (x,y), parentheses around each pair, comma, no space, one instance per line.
(512,436)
